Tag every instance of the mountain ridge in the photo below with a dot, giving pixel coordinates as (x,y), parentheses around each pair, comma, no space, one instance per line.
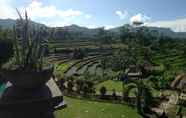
(80,32)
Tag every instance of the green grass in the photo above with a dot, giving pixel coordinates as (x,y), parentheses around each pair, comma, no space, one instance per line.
(110,85)
(117,85)
(63,67)
(89,109)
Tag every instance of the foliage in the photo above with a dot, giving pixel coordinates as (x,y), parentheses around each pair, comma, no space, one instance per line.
(122,59)
(105,37)
(62,84)
(103,91)
(110,85)
(6,50)
(90,109)
(103,65)
(78,54)
(88,87)
(125,35)
(62,67)
(143,96)
(79,85)
(29,47)
(147,93)
(70,85)
(169,76)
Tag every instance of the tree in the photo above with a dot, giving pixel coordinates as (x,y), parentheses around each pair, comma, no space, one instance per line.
(103,91)
(90,86)
(78,54)
(85,89)
(143,95)
(6,50)
(79,86)
(70,86)
(105,37)
(125,35)
(103,65)
(122,59)
(114,96)
(62,84)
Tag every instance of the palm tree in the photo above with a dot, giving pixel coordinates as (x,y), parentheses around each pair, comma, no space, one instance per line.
(143,95)
(125,35)
(121,62)
(103,65)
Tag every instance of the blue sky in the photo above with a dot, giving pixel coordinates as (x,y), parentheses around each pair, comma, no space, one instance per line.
(97,13)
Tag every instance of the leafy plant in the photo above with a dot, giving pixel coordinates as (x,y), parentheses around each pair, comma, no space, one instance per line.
(6,50)
(103,91)
(29,46)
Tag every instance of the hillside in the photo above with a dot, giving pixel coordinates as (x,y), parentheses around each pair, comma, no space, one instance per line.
(75,32)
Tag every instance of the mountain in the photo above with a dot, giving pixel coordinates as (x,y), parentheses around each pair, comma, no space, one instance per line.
(9,23)
(154,31)
(168,32)
(76,32)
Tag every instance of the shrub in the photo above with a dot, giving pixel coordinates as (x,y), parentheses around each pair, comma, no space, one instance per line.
(90,86)
(78,54)
(79,85)
(103,91)
(29,45)
(6,50)
(70,85)
(62,84)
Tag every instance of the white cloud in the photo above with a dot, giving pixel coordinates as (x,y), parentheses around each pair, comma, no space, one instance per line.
(53,16)
(56,23)
(6,10)
(109,27)
(139,18)
(92,26)
(122,15)
(37,10)
(88,16)
(98,26)
(178,25)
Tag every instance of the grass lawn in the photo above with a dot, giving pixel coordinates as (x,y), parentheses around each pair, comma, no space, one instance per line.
(117,85)
(89,109)
(110,85)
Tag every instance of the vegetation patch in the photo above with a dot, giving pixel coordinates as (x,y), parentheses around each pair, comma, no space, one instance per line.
(88,109)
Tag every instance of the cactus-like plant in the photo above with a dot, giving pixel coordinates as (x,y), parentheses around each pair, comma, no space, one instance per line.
(29,46)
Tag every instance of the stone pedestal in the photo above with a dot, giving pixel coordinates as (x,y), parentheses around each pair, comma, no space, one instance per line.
(30,103)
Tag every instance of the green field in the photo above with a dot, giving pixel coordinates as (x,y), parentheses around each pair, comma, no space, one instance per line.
(88,109)
(117,85)
(110,85)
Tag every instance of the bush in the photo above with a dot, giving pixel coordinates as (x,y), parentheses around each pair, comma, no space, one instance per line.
(79,85)
(29,45)
(62,84)
(6,51)
(78,54)
(169,76)
(103,91)
(87,87)
(70,85)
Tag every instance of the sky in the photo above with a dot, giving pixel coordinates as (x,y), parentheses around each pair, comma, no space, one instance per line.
(99,13)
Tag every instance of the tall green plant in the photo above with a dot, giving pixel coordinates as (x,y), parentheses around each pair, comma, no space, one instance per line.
(29,48)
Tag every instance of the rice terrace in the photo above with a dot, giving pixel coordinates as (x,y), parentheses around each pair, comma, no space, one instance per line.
(92,59)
